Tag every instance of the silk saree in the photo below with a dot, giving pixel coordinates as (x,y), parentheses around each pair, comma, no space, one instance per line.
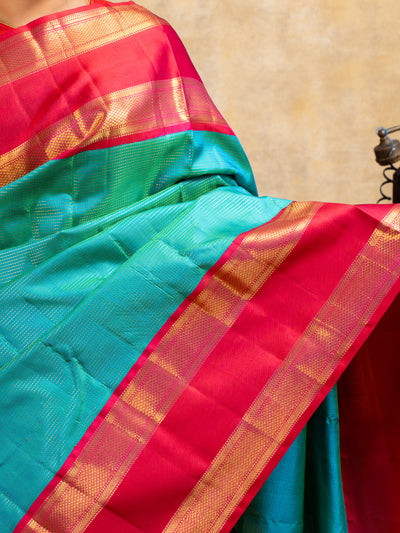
(166,334)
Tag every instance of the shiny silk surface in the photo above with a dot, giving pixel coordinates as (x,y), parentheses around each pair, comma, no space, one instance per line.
(105,107)
(165,334)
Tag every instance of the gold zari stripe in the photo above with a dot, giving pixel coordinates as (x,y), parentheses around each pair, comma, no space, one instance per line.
(294,385)
(159,104)
(58,40)
(125,431)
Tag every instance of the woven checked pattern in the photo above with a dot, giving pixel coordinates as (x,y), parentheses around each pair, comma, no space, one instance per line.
(286,396)
(53,42)
(147,398)
(148,109)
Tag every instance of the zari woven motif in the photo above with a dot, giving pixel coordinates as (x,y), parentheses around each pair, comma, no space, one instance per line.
(165,333)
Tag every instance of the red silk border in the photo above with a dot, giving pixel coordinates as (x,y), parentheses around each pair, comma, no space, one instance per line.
(68,88)
(55,107)
(173,471)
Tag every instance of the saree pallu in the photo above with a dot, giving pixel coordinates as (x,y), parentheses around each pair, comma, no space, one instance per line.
(165,334)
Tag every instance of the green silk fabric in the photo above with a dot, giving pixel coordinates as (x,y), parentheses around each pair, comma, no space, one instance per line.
(97,251)
(304,493)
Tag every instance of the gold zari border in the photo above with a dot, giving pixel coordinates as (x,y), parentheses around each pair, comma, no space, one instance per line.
(135,110)
(127,428)
(60,39)
(294,385)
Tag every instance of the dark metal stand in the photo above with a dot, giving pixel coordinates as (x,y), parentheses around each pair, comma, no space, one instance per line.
(396,186)
(387,153)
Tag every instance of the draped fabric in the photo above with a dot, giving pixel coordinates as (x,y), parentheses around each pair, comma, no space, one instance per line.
(166,334)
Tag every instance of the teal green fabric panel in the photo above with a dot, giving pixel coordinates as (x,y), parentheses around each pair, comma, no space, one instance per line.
(324,503)
(278,507)
(94,273)
(227,151)
(304,492)
(69,200)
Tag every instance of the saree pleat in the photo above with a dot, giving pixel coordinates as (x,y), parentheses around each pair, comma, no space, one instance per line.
(304,492)
(166,334)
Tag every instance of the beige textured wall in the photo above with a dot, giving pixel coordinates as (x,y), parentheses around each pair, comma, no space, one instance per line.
(303,85)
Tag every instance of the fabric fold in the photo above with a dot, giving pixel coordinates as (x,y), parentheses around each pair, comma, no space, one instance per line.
(165,333)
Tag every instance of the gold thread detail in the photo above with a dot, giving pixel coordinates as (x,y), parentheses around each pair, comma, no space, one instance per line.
(125,431)
(294,385)
(158,104)
(58,40)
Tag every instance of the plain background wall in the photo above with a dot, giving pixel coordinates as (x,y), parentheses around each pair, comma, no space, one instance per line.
(303,85)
